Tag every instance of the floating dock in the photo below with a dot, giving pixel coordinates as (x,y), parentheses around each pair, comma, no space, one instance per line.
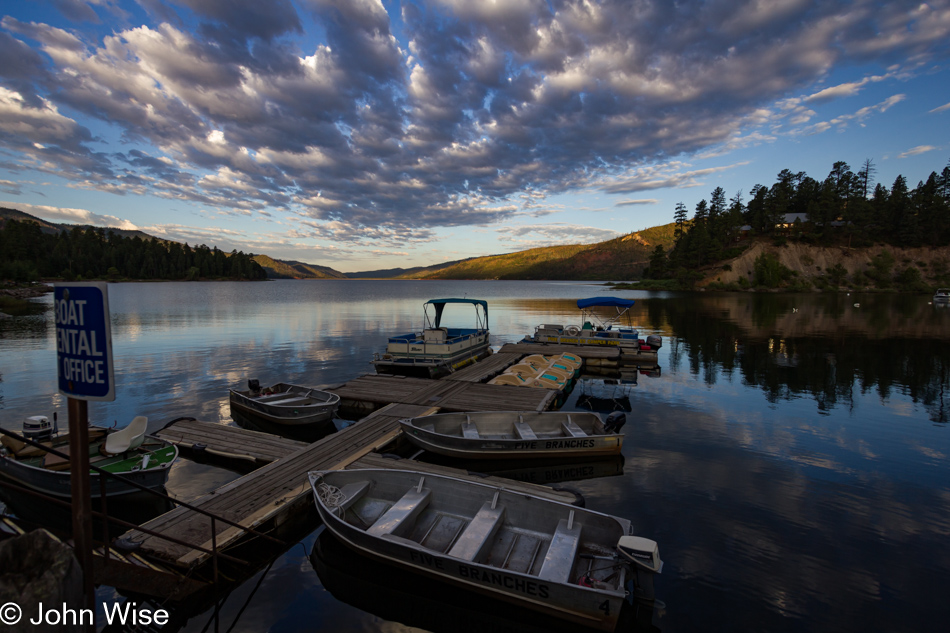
(449,395)
(228,442)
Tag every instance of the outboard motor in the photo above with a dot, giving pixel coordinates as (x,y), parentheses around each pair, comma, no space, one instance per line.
(644,555)
(37,428)
(655,341)
(615,421)
(254,385)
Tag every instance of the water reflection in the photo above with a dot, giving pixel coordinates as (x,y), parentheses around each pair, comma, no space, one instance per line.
(821,346)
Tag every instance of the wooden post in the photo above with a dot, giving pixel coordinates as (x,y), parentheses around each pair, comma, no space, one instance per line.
(81,498)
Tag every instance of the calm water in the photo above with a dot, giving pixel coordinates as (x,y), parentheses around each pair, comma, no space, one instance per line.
(791,457)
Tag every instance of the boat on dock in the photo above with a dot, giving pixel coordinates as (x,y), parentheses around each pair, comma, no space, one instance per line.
(601,317)
(555,558)
(284,404)
(437,351)
(516,434)
(128,452)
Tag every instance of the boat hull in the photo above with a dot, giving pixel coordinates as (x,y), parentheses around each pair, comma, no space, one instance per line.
(496,435)
(59,483)
(596,608)
(429,366)
(296,414)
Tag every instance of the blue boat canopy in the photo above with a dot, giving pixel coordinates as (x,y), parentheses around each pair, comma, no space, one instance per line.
(607,302)
(441,303)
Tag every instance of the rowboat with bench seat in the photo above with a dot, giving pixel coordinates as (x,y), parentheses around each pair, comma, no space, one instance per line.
(284,404)
(553,557)
(129,452)
(516,434)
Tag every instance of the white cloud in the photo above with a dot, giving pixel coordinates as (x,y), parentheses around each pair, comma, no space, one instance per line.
(914,151)
(70,216)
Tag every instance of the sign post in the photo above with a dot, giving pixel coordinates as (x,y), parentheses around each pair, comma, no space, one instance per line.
(84,361)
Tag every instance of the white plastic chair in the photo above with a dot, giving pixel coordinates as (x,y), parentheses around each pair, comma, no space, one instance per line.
(127,439)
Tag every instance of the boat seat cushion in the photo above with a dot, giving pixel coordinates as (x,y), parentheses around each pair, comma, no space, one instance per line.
(479,533)
(126,439)
(559,559)
(402,513)
(524,431)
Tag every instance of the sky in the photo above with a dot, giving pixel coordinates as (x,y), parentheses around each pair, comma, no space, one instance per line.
(363,135)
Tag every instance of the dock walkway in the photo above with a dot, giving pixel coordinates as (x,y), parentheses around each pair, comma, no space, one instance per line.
(228,442)
(448,395)
(267,493)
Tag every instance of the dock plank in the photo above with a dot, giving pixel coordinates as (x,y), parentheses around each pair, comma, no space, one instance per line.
(584,351)
(484,369)
(449,395)
(229,441)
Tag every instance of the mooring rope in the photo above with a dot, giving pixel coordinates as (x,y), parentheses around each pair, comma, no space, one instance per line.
(331,496)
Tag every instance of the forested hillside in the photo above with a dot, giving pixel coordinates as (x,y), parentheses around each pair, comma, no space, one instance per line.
(621,258)
(27,253)
(277,269)
(846,210)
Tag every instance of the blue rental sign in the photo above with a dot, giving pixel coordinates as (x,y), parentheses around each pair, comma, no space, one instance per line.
(84,341)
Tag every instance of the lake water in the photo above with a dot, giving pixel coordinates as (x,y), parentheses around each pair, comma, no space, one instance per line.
(790,457)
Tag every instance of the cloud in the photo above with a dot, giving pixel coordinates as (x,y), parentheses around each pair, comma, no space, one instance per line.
(860,115)
(348,120)
(914,151)
(848,89)
(942,108)
(534,236)
(628,203)
(70,216)
(662,177)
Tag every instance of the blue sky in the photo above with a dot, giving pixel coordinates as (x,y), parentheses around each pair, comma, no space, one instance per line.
(362,135)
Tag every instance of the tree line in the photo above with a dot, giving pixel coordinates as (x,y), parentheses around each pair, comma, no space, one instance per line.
(28,254)
(844,209)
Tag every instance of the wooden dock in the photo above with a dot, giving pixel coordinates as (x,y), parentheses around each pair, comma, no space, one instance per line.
(587,352)
(228,442)
(485,368)
(448,395)
(266,494)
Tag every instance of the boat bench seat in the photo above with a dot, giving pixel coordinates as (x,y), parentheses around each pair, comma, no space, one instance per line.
(294,400)
(478,534)
(271,397)
(403,512)
(559,559)
(524,431)
(570,428)
(352,492)
(469,431)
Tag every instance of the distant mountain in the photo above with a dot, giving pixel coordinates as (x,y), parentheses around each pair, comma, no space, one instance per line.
(52,227)
(278,269)
(402,273)
(621,258)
